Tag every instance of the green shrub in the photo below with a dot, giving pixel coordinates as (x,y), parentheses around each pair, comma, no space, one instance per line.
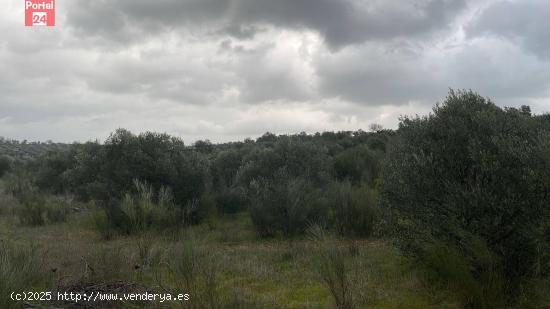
(481,289)
(145,209)
(296,158)
(103,224)
(200,209)
(282,205)
(32,209)
(5,165)
(358,164)
(36,209)
(332,267)
(19,182)
(138,209)
(225,166)
(102,172)
(285,205)
(231,200)
(51,173)
(472,170)
(56,210)
(355,210)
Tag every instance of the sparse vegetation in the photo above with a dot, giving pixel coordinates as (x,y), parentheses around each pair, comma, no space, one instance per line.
(333,268)
(20,268)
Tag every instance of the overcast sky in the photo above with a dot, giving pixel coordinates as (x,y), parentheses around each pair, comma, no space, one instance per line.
(228,69)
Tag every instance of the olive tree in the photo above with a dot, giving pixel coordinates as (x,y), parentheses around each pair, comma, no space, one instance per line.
(473,171)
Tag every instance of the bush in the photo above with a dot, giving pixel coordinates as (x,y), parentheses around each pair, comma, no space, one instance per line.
(450,266)
(355,210)
(145,209)
(331,265)
(296,158)
(138,209)
(52,170)
(225,167)
(472,170)
(286,206)
(36,208)
(32,209)
(282,205)
(57,210)
(231,200)
(133,214)
(5,165)
(103,224)
(19,182)
(358,164)
(105,172)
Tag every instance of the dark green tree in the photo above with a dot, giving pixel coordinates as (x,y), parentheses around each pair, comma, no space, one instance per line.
(358,164)
(5,165)
(473,171)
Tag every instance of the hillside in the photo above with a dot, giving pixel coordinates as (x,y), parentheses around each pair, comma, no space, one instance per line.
(26,150)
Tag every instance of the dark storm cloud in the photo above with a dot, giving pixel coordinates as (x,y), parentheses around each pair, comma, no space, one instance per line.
(526,22)
(340,22)
(352,21)
(377,74)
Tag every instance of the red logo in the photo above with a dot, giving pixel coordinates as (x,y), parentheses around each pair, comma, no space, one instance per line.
(39,13)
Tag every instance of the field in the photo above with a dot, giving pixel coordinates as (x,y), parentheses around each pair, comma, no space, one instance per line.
(245,271)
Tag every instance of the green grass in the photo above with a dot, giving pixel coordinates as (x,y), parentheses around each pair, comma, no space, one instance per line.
(240,269)
(245,270)
(265,273)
